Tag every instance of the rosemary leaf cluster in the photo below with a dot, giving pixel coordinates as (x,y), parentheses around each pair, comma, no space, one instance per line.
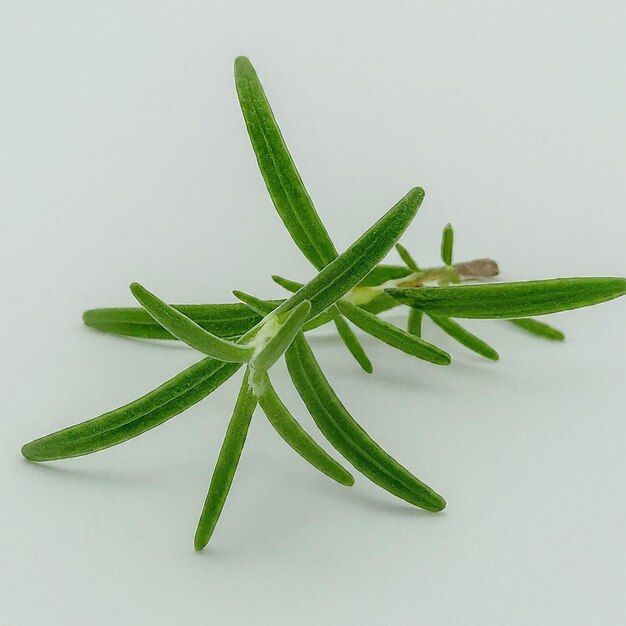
(350,289)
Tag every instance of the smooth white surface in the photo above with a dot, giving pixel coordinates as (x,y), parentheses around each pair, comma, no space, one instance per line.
(124,157)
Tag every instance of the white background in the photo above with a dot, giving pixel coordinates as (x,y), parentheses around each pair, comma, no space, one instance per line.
(124,157)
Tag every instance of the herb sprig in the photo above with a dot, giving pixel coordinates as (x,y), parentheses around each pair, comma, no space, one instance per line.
(349,288)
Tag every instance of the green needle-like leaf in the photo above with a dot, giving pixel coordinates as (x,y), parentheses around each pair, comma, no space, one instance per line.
(347,436)
(275,347)
(382,273)
(405,255)
(267,306)
(394,336)
(223,320)
(463,336)
(188,331)
(447,243)
(541,329)
(349,268)
(258,305)
(279,171)
(226,463)
(510,300)
(291,431)
(130,420)
(414,323)
(353,344)
(285,283)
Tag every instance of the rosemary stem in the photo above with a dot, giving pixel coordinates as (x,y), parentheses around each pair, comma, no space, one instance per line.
(477,269)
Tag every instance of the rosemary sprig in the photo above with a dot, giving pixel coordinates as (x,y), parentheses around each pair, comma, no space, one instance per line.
(349,287)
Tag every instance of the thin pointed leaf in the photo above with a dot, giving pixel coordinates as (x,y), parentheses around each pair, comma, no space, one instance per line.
(135,418)
(405,255)
(322,318)
(262,307)
(265,307)
(379,304)
(447,243)
(188,331)
(464,337)
(285,283)
(226,465)
(349,268)
(223,320)
(394,336)
(281,177)
(290,430)
(347,436)
(353,344)
(414,323)
(510,300)
(282,338)
(382,273)
(535,327)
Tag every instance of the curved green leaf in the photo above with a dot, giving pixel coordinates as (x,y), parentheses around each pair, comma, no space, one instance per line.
(258,305)
(464,337)
(535,327)
(226,465)
(353,344)
(509,300)
(224,320)
(135,418)
(447,243)
(281,177)
(291,431)
(405,255)
(285,283)
(382,273)
(414,323)
(187,330)
(347,436)
(394,336)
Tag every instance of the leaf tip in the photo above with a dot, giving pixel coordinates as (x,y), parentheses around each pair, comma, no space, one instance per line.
(439,504)
(443,358)
(199,543)
(27,451)
(136,289)
(33,452)
(347,479)
(418,192)
(242,62)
